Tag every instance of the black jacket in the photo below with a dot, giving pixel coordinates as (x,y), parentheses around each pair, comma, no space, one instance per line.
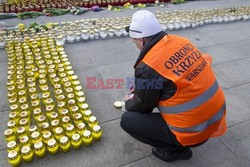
(150,86)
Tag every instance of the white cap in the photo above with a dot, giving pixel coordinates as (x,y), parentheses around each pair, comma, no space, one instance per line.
(144,24)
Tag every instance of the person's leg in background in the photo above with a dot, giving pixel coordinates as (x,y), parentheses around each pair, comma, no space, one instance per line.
(151,128)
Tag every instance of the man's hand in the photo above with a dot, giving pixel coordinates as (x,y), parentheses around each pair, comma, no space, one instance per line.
(132,89)
(127,97)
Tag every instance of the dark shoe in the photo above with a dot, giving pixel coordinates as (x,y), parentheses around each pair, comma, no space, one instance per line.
(166,156)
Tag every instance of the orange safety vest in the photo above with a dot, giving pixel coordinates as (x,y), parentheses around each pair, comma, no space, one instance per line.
(197,110)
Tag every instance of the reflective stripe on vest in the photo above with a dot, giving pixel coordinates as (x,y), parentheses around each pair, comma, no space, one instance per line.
(191,104)
(201,127)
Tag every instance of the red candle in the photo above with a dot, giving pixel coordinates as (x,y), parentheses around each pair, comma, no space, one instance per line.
(104,2)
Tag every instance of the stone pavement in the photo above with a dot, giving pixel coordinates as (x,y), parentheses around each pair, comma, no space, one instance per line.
(228,44)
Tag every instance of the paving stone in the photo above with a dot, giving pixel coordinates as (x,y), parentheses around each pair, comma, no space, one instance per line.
(95,45)
(114,149)
(80,59)
(226,36)
(139,163)
(246,30)
(123,71)
(237,139)
(197,38)
(4,160)
(237,100)
(101,103)
(118,94)
(212,153)
(223,26)
(223,84)
(228,52)
(3,57)
(4,120)
(3,98)
(234,73)
(146,149)
(83,74)
(3,72)
(120,51)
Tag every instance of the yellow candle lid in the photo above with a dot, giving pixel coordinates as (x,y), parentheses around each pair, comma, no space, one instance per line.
(59,91)
(45,125)
(30,79)
(49,107)
(70,127)
(54,115)
(32,128)
(31,84)
(23,121)
(23,114)
(42,75)
(11,144)
(96,128)
(81,99)
(26,150)
(66,119)
(86,133)
(118,104)
(69,68)
(51,142)
(12,114)
(71,95)
(74,108)
(41,118)
(45,88)
(59,130)
(64,140)
(49,100)
(32,90)
(87,112)
(81,125)
(56,79)
(71,101)
(74,77)
(92,119)
(34,96)
(57,86)
(78,88)
(47,135)
(71,72)
(61,104)
(64,111)
(24,139)
(45,95)
(35,134)
(12,154)
(37,111)
(55,122)
(8,132)
(85,106)
(78,116)
(20,130)
(11,123)
(80,93)
(14,106)
(76,137)
(38,145)
(69,90)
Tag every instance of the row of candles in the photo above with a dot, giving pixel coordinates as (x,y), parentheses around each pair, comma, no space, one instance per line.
(40,5)
(104,28)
